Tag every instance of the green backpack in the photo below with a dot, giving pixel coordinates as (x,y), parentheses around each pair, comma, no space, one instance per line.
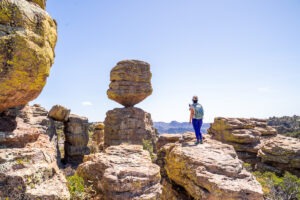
(198,114)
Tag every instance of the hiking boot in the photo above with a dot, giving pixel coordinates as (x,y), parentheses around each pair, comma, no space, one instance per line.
(197,142)
(201,142)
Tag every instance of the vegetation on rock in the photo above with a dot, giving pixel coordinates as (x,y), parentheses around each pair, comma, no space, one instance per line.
(286,187)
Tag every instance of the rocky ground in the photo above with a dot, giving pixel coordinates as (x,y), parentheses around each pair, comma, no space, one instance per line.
(29,158)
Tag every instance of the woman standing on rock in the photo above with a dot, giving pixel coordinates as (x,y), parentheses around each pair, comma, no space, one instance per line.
(196,116)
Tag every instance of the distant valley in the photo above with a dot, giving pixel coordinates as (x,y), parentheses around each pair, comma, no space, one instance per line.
(177,127)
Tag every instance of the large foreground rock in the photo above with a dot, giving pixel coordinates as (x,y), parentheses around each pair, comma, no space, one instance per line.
(129,125)
(29,156)
(121,173)
(27,41)
(209,171)
(281,153)
(130,82)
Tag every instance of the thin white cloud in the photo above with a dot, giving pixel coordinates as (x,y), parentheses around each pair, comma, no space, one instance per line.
(86,103)
(263,89)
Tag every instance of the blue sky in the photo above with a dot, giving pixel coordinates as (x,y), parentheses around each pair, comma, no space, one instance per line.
(242,58)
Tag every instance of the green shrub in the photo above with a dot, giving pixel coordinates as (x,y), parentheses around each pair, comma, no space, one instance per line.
(279,188)
(295,134)
(76,186)
(148,146)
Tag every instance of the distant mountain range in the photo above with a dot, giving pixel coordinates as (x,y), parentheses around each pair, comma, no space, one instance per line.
(177,127)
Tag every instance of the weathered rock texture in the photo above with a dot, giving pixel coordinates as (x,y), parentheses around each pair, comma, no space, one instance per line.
(167,138)
(77,138)
(128,125)
(130,82)
(27,41)
(247,136)
(59,113)
(28,156)
(209,171)
(281,154)
(122,172)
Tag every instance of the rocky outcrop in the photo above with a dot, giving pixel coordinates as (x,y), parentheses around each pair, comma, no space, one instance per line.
(59,113)
(29,156)
(130,82)
(122,172)
(128,125)
(27,41)
(22,125)
(281,154)
(77,138)
(208,171)
(247,136)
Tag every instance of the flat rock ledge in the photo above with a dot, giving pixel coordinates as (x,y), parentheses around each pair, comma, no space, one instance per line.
(209,171)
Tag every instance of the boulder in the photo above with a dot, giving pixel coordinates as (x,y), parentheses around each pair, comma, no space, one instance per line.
(77,138)
(167,138)
(27,41)
(59,113)
(130,82)
(122,172)
(41,3)
(209,171)
(129,125)
(281,153)
(29,156)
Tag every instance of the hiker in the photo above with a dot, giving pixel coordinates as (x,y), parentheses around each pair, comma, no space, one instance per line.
(196,116)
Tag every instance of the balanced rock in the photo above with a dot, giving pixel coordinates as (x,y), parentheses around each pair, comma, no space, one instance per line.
(128,125)
(77,138)
(122,172)
(130,82)
(59,113)
(27,41)
(29,157)
(209,171)
(281,153)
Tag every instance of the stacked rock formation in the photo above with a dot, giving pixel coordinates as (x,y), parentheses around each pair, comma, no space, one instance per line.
(77,138)
(27,41)
(246,135)
(122,172)
(28,156)
(280,154)
(258,144)
(98,135)
(208,171)
(75,133)
(130,84)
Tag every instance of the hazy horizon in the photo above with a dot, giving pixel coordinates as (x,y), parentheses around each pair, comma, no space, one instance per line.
(242,58)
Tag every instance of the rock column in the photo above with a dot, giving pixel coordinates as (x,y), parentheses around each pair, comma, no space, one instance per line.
(130,84)
(77,138)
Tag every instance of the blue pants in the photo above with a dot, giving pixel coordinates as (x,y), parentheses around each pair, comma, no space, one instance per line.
(197,123)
